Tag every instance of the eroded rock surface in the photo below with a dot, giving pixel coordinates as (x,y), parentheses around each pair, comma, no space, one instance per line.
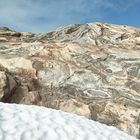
(91,70)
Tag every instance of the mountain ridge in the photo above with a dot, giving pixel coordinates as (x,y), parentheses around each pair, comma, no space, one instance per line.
(90,69)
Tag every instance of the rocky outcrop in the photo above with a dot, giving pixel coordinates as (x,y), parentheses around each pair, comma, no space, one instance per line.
(91,70)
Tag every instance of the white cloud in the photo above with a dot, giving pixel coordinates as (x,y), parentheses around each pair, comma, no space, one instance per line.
(45,15)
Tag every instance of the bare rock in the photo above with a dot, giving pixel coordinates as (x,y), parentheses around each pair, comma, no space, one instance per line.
(76,107)
(88,69)
(2,83)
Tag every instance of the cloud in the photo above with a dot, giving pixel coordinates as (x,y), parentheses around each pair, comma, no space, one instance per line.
(46,15)
(123,5)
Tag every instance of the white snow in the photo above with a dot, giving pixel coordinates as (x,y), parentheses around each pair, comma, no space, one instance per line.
(24,122)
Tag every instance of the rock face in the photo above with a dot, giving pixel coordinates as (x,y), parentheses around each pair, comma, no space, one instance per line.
(91,70)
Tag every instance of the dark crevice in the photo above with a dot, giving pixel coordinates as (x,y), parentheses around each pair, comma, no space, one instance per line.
(7,97)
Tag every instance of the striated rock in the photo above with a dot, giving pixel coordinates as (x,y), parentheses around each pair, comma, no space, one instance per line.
(2,83)
(87,69)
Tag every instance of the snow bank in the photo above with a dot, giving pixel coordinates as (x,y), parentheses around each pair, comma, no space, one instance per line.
(23,122)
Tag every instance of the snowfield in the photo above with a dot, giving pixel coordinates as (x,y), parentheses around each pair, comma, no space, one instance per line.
(23,122)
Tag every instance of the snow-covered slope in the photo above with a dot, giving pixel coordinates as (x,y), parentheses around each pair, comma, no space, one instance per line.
(23,122)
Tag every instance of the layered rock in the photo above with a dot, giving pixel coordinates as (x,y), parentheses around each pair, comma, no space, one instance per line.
(91,70)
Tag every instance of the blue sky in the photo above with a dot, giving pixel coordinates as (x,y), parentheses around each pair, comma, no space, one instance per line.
(47,15)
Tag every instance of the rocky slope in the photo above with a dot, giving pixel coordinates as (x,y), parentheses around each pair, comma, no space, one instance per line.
(91,70)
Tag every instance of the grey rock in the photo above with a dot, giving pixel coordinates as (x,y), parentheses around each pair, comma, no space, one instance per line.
(88,69)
